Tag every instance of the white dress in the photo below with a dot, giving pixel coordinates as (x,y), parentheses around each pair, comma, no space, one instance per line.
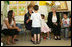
(44,27)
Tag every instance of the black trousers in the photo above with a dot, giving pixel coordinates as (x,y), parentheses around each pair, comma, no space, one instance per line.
(56,30)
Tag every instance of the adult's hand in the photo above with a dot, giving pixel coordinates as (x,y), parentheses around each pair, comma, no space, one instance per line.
(27,20)
(55,23)
(17,28)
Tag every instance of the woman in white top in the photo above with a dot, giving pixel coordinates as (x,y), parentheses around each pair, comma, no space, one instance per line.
(9,27)
(54,23)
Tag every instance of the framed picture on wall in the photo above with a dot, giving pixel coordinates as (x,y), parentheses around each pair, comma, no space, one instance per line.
(61,5)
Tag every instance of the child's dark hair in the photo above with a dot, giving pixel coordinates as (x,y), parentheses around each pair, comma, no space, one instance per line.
(36,7)
(65,14)
(43,16)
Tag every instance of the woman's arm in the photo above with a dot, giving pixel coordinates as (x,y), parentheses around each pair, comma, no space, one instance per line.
(25,19)
(14,23)
(49,23)
(58,19)
(15,27)
(8,25)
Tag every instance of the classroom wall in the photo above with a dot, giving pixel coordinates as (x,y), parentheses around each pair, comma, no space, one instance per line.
(42,9)
(46,9)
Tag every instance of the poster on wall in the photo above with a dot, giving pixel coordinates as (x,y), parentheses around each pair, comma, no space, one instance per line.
(21,10)
(19,7)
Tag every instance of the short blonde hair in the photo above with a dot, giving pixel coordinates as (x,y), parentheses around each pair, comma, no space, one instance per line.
(54,7)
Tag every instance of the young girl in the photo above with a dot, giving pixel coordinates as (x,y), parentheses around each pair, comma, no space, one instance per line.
(44,27)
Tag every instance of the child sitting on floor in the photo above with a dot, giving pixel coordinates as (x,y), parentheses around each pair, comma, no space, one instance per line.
(44,27)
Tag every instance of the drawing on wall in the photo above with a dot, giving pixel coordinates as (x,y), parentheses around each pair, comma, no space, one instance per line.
(21,10)
(31,2)
(13,2)
(62,5)
(21,2)
(14,8)
(42,3)
(19,7)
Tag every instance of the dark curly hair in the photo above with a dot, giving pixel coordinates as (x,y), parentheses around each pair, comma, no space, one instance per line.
(42,15)
(36,7)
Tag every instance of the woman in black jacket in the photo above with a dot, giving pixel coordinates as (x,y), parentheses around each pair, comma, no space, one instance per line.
(54,23)
(27,21)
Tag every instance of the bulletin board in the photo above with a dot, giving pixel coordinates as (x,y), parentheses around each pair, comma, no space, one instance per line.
(19,7)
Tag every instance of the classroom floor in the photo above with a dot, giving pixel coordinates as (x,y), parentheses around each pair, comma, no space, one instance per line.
(25,41)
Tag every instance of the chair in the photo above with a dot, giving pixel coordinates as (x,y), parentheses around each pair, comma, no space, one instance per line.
(27,33)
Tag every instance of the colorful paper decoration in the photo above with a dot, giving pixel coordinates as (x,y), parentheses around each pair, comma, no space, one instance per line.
(21,2)
(42,3)
(13,2)
(14,8)
(21,10)
(18,7)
